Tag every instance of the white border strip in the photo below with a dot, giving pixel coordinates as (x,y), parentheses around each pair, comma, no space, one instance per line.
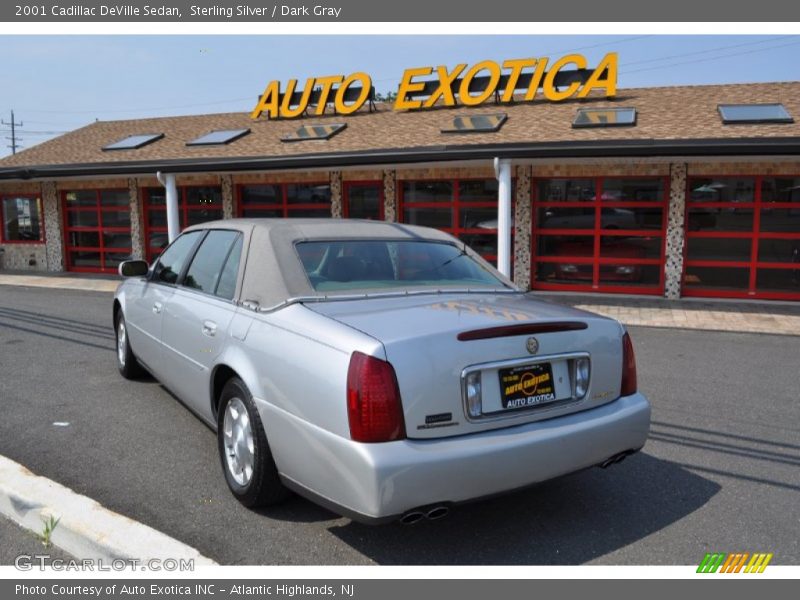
(314,573)
(398,29)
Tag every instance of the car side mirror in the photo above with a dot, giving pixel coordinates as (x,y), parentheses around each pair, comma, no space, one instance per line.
(133,268)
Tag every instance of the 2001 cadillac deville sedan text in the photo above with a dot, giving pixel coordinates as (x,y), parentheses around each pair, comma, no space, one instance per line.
(384,371)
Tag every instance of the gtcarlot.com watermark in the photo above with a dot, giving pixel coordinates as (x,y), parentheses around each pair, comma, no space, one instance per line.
(29,562)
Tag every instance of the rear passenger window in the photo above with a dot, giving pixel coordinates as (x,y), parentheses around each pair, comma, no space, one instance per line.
(227,281)
(206,268)
(172,260)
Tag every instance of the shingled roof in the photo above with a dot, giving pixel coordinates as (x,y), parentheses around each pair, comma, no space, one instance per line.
(670,120)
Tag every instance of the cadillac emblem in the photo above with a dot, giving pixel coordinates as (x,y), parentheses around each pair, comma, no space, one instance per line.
(532,344)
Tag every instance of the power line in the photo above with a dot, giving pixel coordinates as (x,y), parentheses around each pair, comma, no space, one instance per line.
(707,51)
(567,51)
(701,60)
(30,132)
(129,110)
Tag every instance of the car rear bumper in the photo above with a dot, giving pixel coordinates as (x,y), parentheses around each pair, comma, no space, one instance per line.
(380,482)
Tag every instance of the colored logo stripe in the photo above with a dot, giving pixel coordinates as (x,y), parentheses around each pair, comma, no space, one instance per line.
(711,562)
(733,563)
(758,563)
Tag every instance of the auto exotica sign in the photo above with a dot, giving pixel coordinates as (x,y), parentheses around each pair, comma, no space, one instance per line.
(424,87)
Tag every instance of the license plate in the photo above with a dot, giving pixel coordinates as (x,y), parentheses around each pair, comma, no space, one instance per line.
(526,386)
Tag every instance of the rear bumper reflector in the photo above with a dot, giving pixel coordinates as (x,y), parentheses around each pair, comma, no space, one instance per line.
(521,329)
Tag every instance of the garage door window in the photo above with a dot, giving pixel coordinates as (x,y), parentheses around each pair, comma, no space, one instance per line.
(743,237)
(97,227)
(196,204)
(284,200)
(363,200)
(466,208)
(599,234)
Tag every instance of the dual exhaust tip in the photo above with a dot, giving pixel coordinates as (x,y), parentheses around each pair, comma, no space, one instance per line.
(440,511)
(431,513)
(617,458)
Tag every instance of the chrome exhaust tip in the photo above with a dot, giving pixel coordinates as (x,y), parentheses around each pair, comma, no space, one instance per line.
(617,458)
(438,512)
(411,517)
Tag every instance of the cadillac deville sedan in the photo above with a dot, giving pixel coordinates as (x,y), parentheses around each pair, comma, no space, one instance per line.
(384,371)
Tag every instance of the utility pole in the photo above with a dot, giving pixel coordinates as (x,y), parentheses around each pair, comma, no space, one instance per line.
(14,145)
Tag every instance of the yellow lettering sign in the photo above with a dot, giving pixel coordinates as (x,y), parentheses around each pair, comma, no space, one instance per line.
(366,85)
(407,86)
(609,84)
(274,105)
(449,87)
(268,103)
(494,78)
(536,72)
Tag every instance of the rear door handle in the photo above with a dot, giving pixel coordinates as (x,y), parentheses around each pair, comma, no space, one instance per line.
(157,308)
(209,328)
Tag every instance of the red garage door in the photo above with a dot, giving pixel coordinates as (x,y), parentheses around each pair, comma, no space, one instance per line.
(97,229)
(743,237)
(602,234)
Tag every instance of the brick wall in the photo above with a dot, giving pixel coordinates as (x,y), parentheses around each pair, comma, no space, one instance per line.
(744,168)
(282,177)
(446,173)
(362,175)
(601,170)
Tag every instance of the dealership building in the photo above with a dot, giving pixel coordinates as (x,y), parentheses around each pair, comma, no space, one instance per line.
(670,191)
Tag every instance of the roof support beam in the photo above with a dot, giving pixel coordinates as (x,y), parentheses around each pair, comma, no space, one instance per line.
(502,170)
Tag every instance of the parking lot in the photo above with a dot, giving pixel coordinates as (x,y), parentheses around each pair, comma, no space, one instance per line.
(718,474)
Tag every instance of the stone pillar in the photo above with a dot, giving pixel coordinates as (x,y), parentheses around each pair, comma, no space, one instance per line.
(675,231)
(52,226)
(228,201)
(390,195)
(336,195)
(522,228)
(137,222)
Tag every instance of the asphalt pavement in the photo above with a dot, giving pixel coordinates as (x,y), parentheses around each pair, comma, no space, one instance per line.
(16,542)
(718,474)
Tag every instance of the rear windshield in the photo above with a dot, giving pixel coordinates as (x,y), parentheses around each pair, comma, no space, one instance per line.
(370,264)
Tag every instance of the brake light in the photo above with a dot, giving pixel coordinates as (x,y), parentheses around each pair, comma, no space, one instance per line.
(373,400)
(628,367)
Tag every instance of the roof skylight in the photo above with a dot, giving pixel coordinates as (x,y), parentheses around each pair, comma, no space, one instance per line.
(605,117)
(314,132)
(476,123)
(219,137)
(132,142)
(754,113)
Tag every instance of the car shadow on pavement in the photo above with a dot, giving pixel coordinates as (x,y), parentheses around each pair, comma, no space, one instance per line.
(570,520)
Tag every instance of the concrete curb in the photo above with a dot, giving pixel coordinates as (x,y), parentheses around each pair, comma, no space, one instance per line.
(68,283)
(86,529)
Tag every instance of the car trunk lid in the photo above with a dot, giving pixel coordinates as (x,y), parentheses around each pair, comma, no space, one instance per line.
(524,351)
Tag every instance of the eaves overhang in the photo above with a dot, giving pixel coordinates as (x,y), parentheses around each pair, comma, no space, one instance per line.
(766,146)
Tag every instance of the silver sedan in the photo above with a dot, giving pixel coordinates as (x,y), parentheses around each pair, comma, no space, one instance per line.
(384,371)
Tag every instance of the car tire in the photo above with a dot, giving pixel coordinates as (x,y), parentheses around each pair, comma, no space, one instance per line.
(244,452)
(127,364)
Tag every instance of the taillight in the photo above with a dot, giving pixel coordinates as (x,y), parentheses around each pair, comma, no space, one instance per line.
(628,367)
(373,400)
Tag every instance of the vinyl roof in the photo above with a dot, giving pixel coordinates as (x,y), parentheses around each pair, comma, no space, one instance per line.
(274,274)
(666,116)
